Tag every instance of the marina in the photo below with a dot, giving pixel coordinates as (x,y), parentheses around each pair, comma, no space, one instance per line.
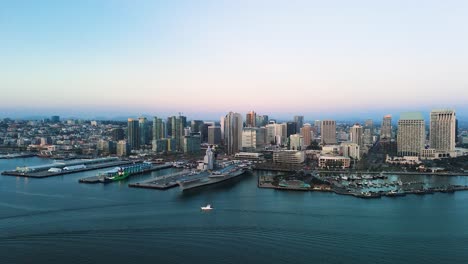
(365,186)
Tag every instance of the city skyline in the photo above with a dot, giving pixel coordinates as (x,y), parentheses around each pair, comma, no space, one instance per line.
(304,57)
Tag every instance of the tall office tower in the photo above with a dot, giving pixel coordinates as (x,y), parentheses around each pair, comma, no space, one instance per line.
(197,126)
(249,139)
(328,128)
(251,119)
(306,134)
(457,132)
(233,132)
(357,132)
(317,124)
(221,124)
(271,133)
(214,135)
(169,126)
(118,134)
(177,125)
(158,128)
(291,128)
(261,137)
(204,132)
(299,123)
(367,137)
(133,133)
(443,130)
(411,134)
(369,124)
(283,135)
(386,128)
(143,126)
(262,120)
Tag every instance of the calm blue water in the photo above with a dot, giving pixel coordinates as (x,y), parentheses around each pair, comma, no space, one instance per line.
(58,220)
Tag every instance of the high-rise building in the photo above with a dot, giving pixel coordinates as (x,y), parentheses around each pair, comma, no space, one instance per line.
(192,144)
(411,134)
(204,132)
(291,128)
(143,126)
(317,124)
(158,128)
(221,122)
(369,124)
(443,130)
(306,134)
(351,150)
(262,120)
(177,125)
(253,138)
(386,128)
(367,138)
(249,139)
(299,120)
(251,119)
(356,133)
(169,126)
(233,132)
(328,128)
(133,133)
(214,135)
(197,126)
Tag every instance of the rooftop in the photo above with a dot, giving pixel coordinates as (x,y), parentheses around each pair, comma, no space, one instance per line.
(411,116)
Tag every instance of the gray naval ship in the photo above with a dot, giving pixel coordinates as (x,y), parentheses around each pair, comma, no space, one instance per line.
(227,170)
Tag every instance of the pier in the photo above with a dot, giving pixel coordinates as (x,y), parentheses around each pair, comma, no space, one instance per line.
(45,170)
(97,179)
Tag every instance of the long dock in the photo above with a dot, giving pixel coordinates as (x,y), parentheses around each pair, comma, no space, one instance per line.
(45,174)
(161,182)
(97,179)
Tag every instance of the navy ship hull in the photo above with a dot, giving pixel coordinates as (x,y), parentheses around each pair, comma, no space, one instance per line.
(210,180)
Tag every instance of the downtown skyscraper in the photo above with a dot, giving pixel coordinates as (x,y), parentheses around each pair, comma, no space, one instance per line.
(386,128)
(251,119)
(442,130)
(299,120)
(233,133)
(328,128)
(411,134)
(133,133)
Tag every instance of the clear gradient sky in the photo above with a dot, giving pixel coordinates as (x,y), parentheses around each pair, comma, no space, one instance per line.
(316,58)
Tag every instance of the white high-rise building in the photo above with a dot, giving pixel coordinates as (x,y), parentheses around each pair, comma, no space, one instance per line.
(351,150)
(411,134)
(442,131)
(386,128)
(356,133)
(328,128)
(233,132)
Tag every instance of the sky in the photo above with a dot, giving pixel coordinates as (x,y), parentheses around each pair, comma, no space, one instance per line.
(320,59)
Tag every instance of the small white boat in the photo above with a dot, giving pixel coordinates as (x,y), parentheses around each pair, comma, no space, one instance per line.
(207,207)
